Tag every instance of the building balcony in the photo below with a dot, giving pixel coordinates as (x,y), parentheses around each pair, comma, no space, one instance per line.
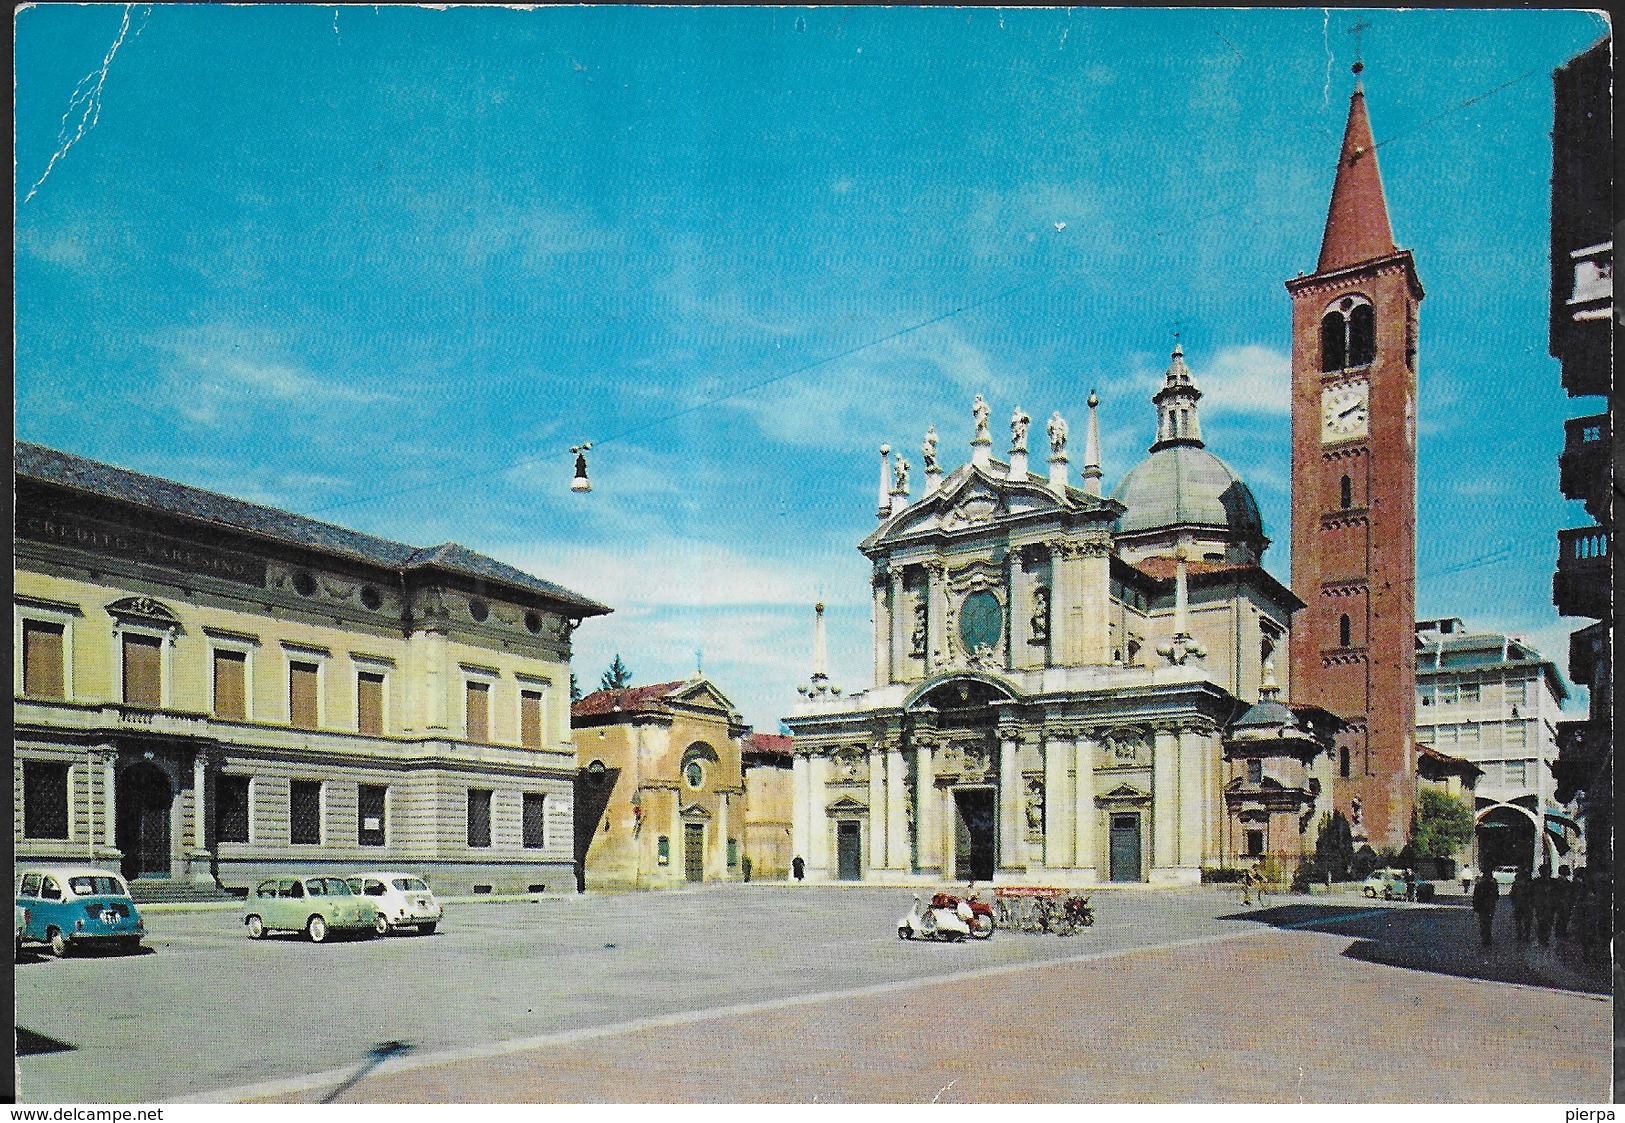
(1588,654)
(1582,318)
(1582,750)
(1583,464)
(1580,586)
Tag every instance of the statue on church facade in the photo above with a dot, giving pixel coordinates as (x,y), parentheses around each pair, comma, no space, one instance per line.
(899,476)
(1057,433)
(1018,430)
(979,410)
(928,451)
(917,636)
(1040,620)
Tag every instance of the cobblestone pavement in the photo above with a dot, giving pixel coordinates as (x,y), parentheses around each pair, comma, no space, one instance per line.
(770,993)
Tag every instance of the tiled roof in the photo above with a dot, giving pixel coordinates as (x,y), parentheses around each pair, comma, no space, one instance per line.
(1446,762)
(632,699)
(771,744)
(1162,568)
(63,469)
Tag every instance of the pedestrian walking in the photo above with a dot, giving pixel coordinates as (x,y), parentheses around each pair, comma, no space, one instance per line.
(1522,896)
(798,867)
(1466,880)
(1484,898)
(1564,903)
(1545,905)
(1410,885)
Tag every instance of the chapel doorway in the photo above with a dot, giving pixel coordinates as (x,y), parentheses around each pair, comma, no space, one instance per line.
(694,851)
(1125,848)
(848,851)
(144,796)
(974,840)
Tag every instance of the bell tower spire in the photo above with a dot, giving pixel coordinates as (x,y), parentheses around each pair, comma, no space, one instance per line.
(1357,227)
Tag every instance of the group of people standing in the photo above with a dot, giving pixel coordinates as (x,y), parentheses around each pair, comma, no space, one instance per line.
(1577,907)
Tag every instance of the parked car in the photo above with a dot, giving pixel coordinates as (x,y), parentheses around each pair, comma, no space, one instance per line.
(316,906)
(1389,884)
(1505,875)
(404,900)
(22,925)
(72,907)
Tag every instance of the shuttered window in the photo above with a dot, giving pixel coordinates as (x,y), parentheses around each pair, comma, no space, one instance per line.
(143,670)
(42,660)
(530,719)
(302,694)
(535,821)
(231,685)
(231,809)
(45,799)
(479,711)
(305,812)
(370,806)
(479,817)
(369,703)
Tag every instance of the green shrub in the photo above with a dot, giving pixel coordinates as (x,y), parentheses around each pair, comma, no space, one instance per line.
(1365,860)
(1221,875)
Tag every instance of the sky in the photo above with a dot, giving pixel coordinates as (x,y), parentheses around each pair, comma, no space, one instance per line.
(384,266)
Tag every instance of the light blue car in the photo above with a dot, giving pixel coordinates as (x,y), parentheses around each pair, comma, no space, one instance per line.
(70,907)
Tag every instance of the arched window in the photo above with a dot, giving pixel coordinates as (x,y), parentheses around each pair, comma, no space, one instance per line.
(1343,631)
(1333,341)
(1347,493)
(1343,762)
(1362,335)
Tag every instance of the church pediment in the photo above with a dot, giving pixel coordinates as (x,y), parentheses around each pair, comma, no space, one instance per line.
(968,500)
(846,805)
(1124,794)
(702,694)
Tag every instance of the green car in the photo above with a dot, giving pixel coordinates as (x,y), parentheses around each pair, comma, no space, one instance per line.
(315,906)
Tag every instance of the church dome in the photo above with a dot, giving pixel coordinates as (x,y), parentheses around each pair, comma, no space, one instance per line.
(1186,485)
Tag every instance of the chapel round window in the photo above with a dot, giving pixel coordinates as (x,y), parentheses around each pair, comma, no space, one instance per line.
(694,773)
(981,621)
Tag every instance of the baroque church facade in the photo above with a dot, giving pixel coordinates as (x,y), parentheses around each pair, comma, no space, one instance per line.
(1064,682)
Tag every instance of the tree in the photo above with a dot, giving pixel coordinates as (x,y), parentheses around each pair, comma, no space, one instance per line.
(1334,848)
(575,689)
(1443,825)
(618,677)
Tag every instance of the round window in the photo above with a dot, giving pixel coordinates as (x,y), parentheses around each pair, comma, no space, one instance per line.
(981,621)
(478,609)
(694,773)
(533,622)
(304,584)
(371,598)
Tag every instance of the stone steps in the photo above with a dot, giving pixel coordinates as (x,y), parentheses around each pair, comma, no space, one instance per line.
(153,891)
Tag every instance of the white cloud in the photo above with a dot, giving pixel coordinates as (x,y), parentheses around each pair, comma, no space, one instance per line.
(1249,379)
(218,379)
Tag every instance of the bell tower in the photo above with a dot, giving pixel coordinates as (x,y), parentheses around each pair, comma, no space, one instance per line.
(1354,323)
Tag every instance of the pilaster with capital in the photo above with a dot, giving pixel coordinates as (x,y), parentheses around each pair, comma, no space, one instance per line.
(1058,806)
(936,620)
(1084,823)
(882,628)
(818,835)
(925,791)
(801,818)
(879,819)
(896,811)
(902,619)
(1012,799)
(1165,776)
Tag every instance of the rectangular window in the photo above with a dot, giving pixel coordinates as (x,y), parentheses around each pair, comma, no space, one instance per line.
(305,813)
(302,680)
(1255,844)
(369,703)
(1424,734)
(1447,735)
(143,670)
(530,719)
(733,851)
(42,660)
(535,822)
(231,685)
(1517,773)
(1468,734)
(1255,771)
(45,799)
(370,808)
(1516,734)
(1425,695)
(479,817)
(1469,692)
(1447,694)
(231,809)
(478,699)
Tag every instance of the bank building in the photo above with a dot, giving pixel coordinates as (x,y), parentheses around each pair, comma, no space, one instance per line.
(1068,687)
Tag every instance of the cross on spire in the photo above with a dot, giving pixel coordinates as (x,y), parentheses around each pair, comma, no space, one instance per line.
(1355,31)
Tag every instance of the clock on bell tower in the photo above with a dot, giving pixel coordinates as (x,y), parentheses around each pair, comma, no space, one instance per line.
(1354,322)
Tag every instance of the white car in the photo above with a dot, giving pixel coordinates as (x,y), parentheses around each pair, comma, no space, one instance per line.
(404,900)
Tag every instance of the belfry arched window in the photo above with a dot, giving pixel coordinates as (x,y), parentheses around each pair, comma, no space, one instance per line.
(1346,493)
(1348,334)
(1344,631)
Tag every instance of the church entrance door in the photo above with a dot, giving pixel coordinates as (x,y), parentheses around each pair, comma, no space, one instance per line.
(848,854)
(694,851)
(143,797)
(974,849)
(1125,851)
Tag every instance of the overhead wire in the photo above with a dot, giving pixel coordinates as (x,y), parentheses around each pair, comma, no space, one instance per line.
(529,461)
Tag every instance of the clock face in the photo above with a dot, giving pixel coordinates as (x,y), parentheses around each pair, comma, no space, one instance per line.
(1344,412)
(981,621)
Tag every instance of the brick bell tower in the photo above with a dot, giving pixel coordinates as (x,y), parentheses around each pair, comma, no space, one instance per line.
(1354,492)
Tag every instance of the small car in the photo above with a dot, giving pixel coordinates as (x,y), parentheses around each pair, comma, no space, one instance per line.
(308,903)
(72,907)
(1389,884)
(22,926)
(404,900)
(1505,875)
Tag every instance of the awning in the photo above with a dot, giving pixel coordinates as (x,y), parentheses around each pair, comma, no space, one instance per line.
(1562,819)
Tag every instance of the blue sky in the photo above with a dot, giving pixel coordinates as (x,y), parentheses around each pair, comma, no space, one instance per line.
(329,258)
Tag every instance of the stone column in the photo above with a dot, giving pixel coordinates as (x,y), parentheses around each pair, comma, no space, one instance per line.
(1193,798)
(110,796)
(722,834)
(925,826)
(801,814)
(1058,796)
(1084,808)
(902,624)
(1165,803)
(437,682)
(198,858)
(897,856)
(878,811)
(882,632)
(936,615)
(1094,598)
(1012,800)
(1066,599)
(818,838)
